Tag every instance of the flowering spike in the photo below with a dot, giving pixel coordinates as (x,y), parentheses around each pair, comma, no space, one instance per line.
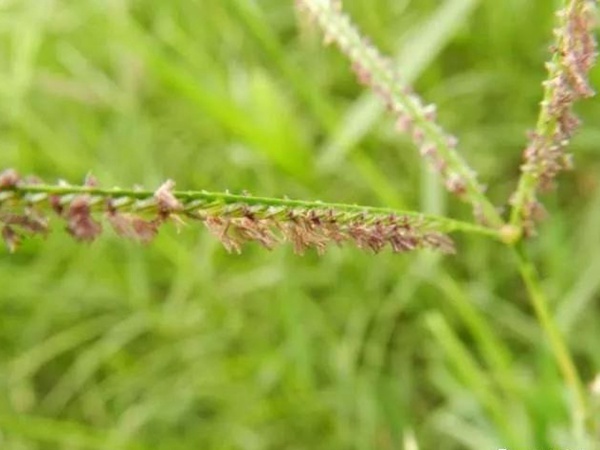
(574,54)
(233,219)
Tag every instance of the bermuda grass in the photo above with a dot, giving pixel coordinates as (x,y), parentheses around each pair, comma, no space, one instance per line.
(179,344)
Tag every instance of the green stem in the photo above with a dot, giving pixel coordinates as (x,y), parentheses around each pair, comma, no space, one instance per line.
(557,342)
(194,199)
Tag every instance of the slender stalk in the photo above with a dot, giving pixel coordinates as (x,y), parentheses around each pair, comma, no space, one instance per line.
(195,199)
(233,219)
(557,342)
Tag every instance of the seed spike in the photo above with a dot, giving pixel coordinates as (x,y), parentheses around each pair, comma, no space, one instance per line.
(138,214)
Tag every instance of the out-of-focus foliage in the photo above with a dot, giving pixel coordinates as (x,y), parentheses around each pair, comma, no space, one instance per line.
(178,345)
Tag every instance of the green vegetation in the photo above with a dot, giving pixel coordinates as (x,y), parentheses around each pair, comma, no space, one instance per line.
(177,344)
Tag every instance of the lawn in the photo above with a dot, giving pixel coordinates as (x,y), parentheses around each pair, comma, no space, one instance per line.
(178,344)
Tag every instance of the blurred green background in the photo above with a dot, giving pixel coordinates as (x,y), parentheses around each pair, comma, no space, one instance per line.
(178,345)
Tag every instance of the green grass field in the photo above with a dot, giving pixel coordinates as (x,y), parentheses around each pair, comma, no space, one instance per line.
(180,345)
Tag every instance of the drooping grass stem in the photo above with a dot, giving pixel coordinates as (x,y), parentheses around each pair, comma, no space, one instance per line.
(195,199)
(558,345)
(234,219)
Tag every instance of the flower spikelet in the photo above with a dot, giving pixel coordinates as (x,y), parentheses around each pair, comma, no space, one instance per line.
(80,223)
(319,229)
(166,201)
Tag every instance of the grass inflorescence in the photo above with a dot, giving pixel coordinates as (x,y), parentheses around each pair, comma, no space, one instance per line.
(546,155)
(176,344)
(233,219)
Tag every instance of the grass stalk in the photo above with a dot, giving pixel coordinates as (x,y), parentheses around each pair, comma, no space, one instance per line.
(196,199)
(233,218)
(557,342)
